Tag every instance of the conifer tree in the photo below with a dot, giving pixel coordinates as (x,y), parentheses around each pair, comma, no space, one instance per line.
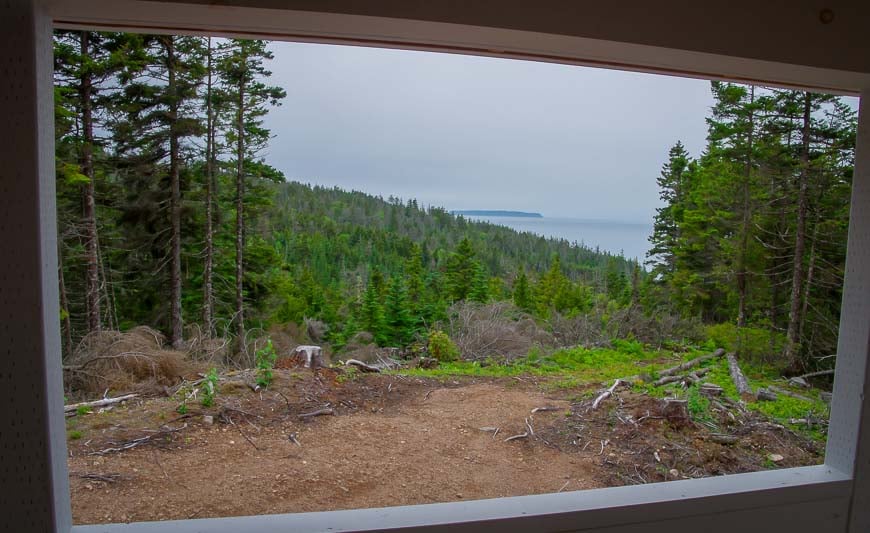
(243,71)
(398,321)
(522,294)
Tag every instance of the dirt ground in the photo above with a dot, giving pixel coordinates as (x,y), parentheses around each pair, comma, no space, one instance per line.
(391,440)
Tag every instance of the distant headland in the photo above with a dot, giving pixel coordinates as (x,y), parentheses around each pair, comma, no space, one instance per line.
(496,213)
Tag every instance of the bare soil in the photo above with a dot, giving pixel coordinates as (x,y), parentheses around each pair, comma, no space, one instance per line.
(392,440)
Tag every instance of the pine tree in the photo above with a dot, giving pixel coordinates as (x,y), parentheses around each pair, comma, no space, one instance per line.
(479,285)
(371,317)
(666,226)
(522,294)
(84,64)
(398,321)
(242,71)
(460,270)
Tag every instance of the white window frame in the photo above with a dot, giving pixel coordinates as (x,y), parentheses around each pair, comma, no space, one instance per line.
(830,497)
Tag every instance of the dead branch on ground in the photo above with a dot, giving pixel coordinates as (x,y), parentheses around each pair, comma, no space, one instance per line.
(789,393)
(362,366)
(130,444)
(606,394)
(318,412)
(98,403)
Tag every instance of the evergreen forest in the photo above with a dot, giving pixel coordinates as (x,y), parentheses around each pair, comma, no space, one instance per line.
(170,216)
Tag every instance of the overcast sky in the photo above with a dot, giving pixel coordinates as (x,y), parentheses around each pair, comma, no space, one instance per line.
(480,133)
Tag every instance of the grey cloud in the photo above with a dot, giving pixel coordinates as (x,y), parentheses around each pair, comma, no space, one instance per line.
(469,132)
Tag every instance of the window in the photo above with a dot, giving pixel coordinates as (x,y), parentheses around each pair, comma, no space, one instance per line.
(808,493)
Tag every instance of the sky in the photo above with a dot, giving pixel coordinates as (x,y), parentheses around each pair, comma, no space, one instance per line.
(466,132)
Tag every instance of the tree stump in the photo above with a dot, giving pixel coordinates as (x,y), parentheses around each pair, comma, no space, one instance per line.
(676,412)
(304,356)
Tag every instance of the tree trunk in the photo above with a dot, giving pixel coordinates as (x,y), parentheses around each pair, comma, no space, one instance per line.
(208,291)
(240,221)
(64,303)
(747,217)
(175,319)
(89,215)
(106,285)
(792,348)
(811,269)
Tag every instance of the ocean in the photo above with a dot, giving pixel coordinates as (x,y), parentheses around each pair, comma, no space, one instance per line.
(627,238)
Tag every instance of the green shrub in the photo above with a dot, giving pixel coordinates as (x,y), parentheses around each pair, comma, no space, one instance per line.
(754,344)
(83,410)
(209,388)
(266,357)
(441,347)
(698,405)
(350,373)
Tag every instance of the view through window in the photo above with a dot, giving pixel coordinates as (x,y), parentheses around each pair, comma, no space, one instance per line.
(303,277)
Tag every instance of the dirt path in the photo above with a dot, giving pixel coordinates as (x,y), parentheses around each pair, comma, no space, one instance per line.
(427,447)
(396,440)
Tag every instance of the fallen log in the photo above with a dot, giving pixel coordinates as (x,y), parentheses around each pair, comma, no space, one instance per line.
(667,379)
(789,393)
(815,374)
(98,403)
(362,366)
(710,389)
(739,379)
(721,438)
(606,394)
(691,364)
(766,395)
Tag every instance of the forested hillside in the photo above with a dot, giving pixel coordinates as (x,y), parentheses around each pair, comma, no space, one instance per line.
(170,217)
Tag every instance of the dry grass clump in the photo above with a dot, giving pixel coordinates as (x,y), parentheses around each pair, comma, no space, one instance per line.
(496,330)
(134,360)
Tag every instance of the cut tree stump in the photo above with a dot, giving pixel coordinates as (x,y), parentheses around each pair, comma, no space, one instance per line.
(311,356)
(739,379)
(676,412)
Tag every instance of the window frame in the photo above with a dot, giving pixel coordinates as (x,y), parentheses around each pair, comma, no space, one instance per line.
(796,498)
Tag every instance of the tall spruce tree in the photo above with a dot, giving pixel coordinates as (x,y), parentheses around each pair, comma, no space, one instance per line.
(243,70)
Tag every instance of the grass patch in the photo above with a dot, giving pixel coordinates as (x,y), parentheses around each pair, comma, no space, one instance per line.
(577,368)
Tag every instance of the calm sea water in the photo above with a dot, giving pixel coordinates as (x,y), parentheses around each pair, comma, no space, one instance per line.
(630,239)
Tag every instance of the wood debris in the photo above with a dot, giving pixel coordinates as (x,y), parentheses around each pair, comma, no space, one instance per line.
(691,364)
(606,394)
(98,403)
(319,412)
(739,379)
